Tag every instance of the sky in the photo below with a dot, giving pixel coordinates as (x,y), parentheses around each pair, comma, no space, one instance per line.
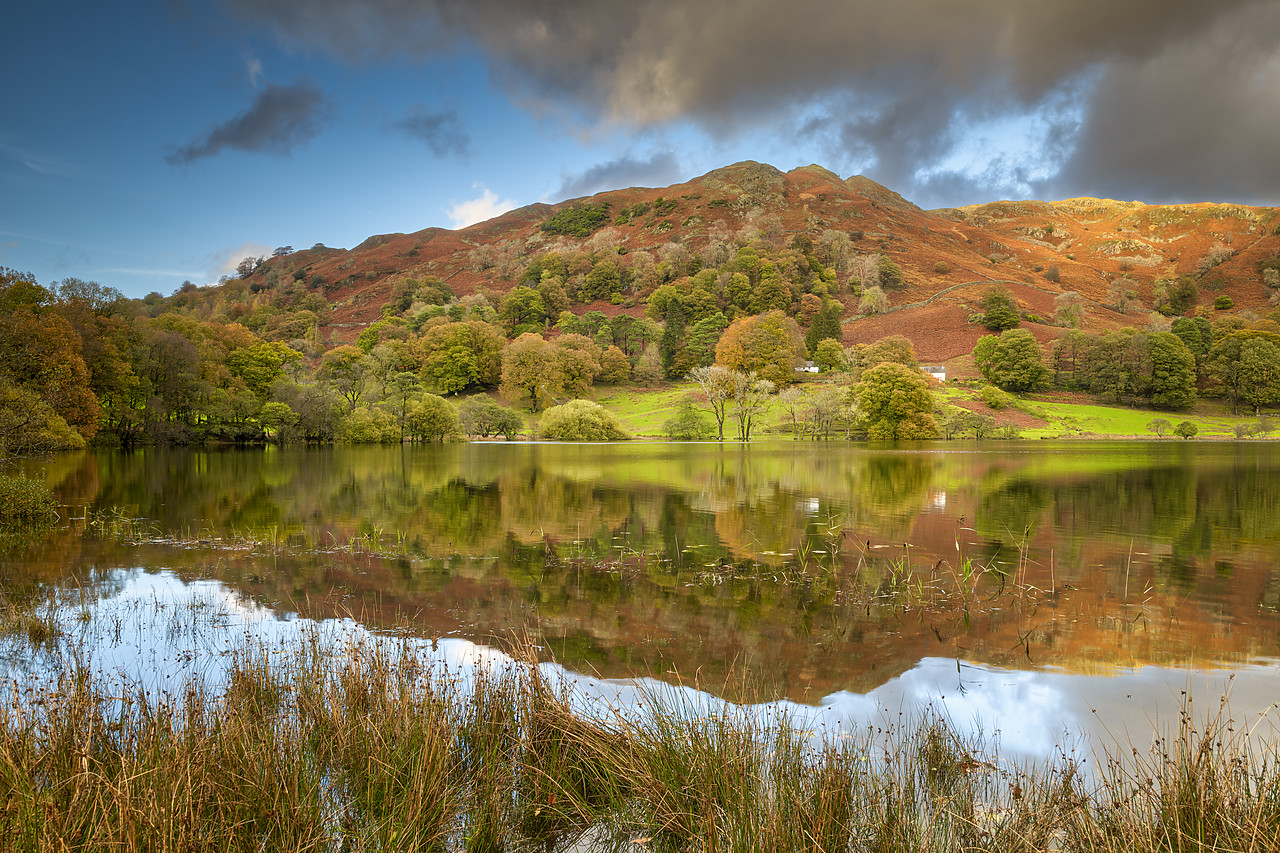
(149,143)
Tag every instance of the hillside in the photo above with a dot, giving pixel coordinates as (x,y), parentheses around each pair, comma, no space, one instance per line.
(1114,254)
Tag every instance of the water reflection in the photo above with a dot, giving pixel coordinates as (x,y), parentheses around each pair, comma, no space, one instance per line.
(697,559)
(153,632)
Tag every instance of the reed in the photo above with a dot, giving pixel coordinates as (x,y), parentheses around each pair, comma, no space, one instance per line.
(366,746)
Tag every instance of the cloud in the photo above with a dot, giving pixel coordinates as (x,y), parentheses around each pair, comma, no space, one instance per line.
(35,161)
(224,261)
(659,170)
(486,206)
(280,118)
(253,67)
(441,131)
(897,83)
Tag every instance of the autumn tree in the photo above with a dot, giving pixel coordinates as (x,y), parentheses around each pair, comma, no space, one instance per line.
(531,371)
(769,344)
(999,311)
(483,416)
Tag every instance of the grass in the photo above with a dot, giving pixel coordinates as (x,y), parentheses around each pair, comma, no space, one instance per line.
(367,748)
(644,411)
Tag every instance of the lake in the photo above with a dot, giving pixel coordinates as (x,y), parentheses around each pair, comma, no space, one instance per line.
(1020,587)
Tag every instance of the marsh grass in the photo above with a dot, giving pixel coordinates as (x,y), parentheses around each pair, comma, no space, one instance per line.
(366,746)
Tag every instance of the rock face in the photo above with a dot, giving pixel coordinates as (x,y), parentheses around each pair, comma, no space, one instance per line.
(1038,249)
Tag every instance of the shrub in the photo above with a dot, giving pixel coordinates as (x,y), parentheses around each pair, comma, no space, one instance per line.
(1052,274)
(1223,302)
(994,397)
(581,420)
(942,267)
(1186,429)
(578,221)
(23,499)
(688,423)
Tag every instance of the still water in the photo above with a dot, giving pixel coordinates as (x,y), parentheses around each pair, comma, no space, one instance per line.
(1021,587)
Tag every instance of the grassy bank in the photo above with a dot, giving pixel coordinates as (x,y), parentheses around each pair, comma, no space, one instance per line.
(644,412)
(367,748)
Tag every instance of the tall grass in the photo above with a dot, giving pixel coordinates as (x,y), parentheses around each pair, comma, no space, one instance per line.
(366,748)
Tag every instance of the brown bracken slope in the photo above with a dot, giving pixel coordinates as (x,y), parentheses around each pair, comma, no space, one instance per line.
(1089,245)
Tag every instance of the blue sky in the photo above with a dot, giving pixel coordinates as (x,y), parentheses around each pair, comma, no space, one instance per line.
(149,143)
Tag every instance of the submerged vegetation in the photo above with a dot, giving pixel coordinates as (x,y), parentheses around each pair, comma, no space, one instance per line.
(374,747)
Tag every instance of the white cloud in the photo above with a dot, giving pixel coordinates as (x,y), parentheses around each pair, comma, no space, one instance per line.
(224,261)
(487,206)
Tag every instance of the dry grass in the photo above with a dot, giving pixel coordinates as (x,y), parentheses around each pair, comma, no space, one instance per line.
(367,748)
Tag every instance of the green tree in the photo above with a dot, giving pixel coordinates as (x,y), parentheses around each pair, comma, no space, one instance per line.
(830,356)
(1160,427)
(687,423)
(579,362)
(1173,372)
(1226,364)
(455,357)
(432,419)
(825,326)
(483,416)
(1186,429)
(343,369)
(581,420)
(277,419)
(895,403)
(522,310)
(1259,373)
(999,310)
(615,367)
(1013,361)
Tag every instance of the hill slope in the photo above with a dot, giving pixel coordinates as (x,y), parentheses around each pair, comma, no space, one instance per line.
(1114,254)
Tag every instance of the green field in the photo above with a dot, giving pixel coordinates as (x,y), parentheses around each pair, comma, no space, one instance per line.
(643,411)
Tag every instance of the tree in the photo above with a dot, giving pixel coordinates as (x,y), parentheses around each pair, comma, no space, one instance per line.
(455,357)
(1197,334)
(432,419)
(750,400)
(1173,372)
(687,423)
(896,403)
(277,419)
(579,361)
(1068,308)
(769,344)
(830,356)
(703,336)
(483,416)
(1160,427)
(825,326)
(531,371)
(615,367)
(999,311)
(1186,429)
(343,368)
(1259,373)
(719,385)
(1228,365)
(873,301)
(581,420)
(1013,361)
(894,348)
(890,273)
(522,310)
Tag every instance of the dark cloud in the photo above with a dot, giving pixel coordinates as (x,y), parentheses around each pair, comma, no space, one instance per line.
(894,86)
(661,169)
(441,131)
(280,118)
